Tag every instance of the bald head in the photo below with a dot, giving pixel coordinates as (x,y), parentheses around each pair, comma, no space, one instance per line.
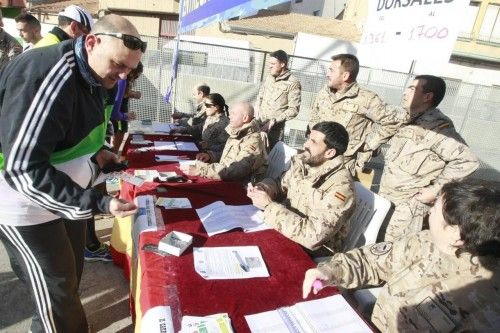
(114,49)
(240,113)
(115,24)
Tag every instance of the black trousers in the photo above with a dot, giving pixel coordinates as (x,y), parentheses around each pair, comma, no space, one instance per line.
(48,258)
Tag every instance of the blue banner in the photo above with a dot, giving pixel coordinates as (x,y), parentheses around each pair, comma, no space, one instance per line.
(198,13)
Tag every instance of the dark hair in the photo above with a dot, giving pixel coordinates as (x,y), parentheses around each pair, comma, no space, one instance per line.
(435,85)
(29,20)
(219,101)
(474,207)
(136,72)
(280,55)
(205,90)
(349,63)
(63,21)
(336,136)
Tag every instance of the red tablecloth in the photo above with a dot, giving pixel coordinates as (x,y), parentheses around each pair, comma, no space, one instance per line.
(173,281)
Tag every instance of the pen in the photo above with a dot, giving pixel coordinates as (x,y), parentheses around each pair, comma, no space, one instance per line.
(242,264)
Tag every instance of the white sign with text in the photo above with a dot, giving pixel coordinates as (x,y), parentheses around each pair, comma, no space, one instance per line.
(398,32)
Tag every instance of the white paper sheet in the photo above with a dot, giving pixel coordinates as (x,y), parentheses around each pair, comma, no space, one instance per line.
(219,217)
(187,163)
(159,127)
(326,315)
(217,323)
(186,146)
(170,158)
(174,203)
(165,145)
(146,175)
(136,181)
(232,262)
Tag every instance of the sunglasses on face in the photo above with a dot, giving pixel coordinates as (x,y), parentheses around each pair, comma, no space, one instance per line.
(208,105)
(129,41)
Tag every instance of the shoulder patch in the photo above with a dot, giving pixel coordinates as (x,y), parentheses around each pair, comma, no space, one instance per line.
(350,107)
(340,196)
(444,125)
(253,147)
(380,249)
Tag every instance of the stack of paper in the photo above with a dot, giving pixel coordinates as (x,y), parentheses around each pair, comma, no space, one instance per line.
(173,203)
(217,323)
(219,217)
(187,146)
(327,315)
(165,145)
(147,175)
(230,262)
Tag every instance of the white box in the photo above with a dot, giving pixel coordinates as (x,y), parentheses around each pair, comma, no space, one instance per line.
(175,242)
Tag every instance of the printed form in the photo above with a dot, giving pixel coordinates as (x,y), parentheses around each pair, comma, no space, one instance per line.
(229,262)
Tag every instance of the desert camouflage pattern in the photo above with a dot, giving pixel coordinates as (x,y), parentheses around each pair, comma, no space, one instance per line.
(279,99)
(368,120)
(426,290)
(243,158)
(427,153)
(313,205)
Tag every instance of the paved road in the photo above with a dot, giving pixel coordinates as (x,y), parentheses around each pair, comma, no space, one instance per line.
(104,293)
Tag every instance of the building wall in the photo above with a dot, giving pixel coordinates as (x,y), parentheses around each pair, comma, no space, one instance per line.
(256,42)
(163,6)
(472,45)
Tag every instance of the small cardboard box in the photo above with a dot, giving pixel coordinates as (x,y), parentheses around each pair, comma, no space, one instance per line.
(175,242)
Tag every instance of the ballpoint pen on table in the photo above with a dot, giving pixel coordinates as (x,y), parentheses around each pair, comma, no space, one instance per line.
(242,264)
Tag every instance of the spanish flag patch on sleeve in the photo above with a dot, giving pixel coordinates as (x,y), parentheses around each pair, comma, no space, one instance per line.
(444,125)
(340,196)
(253,147)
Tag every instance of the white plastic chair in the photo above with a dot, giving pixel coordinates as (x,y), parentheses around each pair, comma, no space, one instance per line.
(279,159)
(366,220)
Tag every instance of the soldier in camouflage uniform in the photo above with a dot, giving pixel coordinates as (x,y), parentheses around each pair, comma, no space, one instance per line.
(446,279)
(312,202)
(244,155)
(278,99)
(212,132)
(188,119)
(423,155)
(9,46)
(369,121)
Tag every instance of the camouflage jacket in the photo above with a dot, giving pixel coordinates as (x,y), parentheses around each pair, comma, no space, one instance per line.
(314,203)
(279,98)
(426,290)
(367,119)
(9,48)
(243,158)
(426,153)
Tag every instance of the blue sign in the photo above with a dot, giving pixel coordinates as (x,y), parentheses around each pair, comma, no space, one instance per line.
(198,13)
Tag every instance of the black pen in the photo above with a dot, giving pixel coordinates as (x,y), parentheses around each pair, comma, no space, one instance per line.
(242,264)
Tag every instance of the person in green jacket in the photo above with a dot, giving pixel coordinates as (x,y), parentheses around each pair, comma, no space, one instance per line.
(73,22)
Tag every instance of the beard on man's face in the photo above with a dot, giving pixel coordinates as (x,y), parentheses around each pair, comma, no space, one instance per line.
(313,160)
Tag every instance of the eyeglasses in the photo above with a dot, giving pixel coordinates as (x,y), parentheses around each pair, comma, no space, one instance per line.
(129,41)
(208,105)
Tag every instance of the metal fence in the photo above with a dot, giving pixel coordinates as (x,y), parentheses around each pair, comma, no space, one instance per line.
(237,73)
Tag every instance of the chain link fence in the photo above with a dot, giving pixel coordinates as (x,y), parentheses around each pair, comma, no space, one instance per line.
(237,73)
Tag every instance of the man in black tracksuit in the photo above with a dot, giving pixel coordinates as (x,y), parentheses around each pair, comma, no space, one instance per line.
(51,123)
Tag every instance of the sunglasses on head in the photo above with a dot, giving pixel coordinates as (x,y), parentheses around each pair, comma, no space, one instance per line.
(208,105)
(129,41)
